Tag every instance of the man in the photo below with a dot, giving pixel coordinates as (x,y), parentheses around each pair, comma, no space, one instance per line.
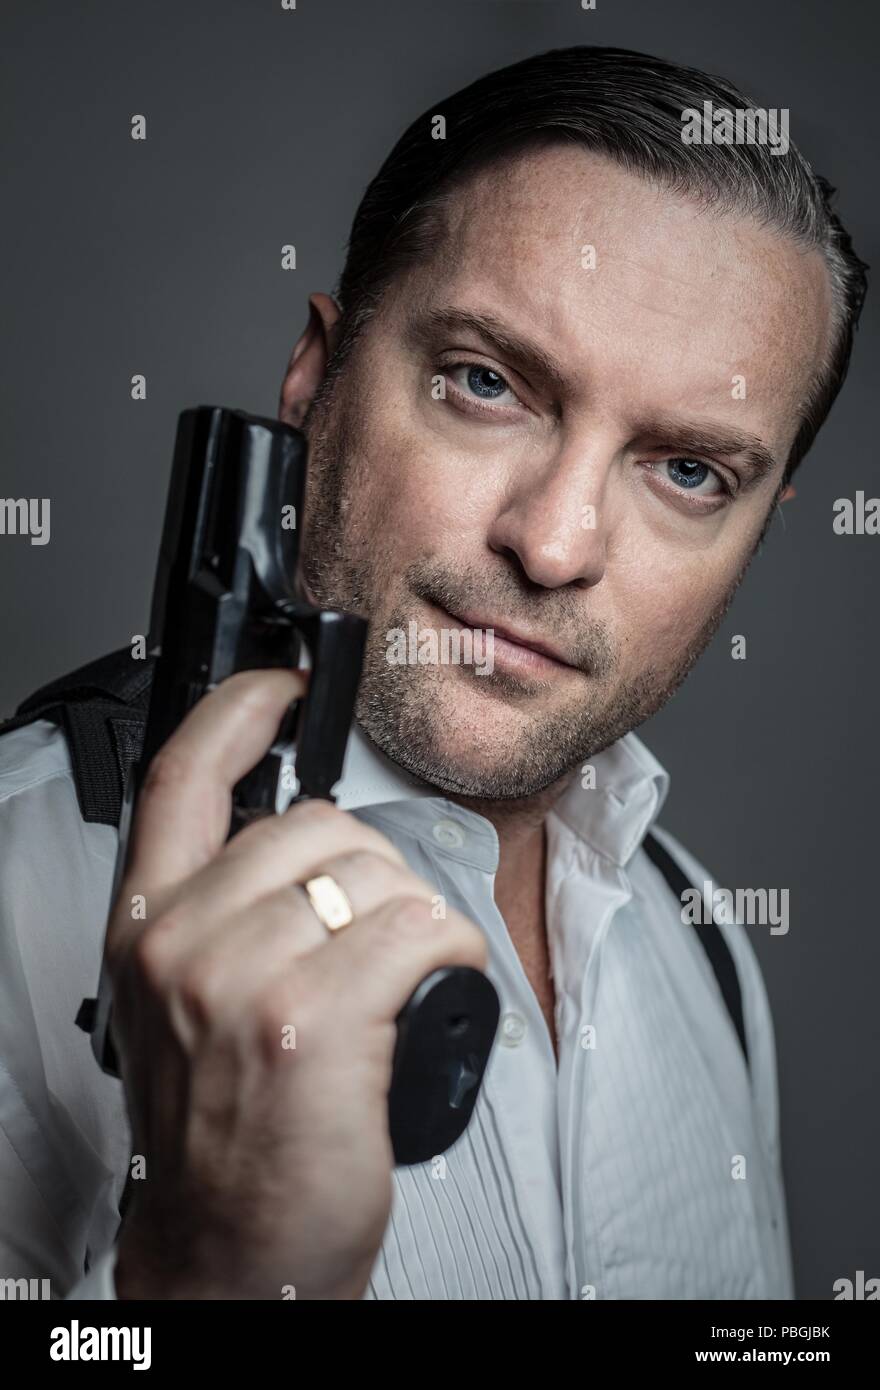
(572,364)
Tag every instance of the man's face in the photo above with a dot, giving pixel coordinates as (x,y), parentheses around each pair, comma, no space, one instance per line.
(569,425)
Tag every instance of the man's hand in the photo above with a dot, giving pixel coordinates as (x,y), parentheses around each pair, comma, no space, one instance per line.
(255,1047)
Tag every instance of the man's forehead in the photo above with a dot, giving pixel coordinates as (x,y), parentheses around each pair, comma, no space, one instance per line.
(540,208)
(589,258)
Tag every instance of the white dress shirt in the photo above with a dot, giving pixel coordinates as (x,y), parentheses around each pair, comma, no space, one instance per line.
(646,1166)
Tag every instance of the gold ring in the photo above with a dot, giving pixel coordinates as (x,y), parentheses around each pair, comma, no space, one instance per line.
(330,903)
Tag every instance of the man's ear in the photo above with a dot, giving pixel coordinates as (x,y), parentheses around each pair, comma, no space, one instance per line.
(308,361)
(788,494)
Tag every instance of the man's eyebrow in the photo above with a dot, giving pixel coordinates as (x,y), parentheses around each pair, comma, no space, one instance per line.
(711,438)
(510,345)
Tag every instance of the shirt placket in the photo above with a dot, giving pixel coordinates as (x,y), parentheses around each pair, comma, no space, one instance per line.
(604,890)
(520,1082)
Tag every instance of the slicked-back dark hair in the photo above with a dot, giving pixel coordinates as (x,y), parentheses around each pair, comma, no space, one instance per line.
(624,105)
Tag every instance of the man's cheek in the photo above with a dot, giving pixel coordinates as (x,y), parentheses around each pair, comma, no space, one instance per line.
(420,503)
(444,471)
(666,619)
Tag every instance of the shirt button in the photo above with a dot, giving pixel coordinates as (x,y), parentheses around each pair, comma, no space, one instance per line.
(448,834)
(513,1029)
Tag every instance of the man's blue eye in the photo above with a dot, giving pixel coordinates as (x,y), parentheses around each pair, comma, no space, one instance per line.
(688,473)
(484,382)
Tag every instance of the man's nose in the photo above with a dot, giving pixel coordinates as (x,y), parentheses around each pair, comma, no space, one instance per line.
(556,518)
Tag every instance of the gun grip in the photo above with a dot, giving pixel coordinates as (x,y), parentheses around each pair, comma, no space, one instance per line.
(444,1037)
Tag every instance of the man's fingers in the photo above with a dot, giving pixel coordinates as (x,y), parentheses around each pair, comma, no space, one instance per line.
(371,968)
(272,855)
(280,968)
(183,810)
(278,955)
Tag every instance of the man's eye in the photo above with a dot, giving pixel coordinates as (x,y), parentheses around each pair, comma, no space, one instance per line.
(480,381)
(692,475)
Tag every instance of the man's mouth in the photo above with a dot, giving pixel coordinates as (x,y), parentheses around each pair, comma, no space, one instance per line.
(513,648)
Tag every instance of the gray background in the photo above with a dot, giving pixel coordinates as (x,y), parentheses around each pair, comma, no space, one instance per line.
(163,257)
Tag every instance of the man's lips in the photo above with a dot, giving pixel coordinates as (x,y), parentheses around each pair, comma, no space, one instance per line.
(505,633)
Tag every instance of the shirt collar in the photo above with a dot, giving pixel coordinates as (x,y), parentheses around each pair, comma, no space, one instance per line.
(369,778)
(615,814)
(612,816)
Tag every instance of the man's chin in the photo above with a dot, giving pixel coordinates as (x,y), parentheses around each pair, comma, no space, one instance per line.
(463,768)
(460,734)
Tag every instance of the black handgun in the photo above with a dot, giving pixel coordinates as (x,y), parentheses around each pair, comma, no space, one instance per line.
(229,596)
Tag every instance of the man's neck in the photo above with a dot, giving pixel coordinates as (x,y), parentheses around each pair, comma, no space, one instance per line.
(519,826)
